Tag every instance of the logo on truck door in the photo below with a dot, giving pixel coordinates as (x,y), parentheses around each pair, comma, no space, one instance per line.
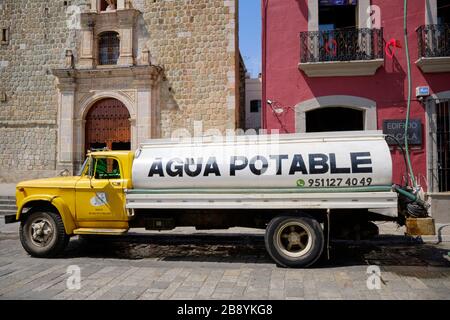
(99,199)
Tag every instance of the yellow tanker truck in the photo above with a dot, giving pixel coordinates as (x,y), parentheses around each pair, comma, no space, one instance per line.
(303,190)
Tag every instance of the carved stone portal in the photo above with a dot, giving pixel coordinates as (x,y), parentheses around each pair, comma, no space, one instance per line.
(137,88)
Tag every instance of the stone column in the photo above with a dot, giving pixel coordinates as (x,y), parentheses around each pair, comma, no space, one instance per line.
(134,141)
(78,147)
(127,20)
(126,47)
(143,115)
(94,6)
(120,4)
(66,109)
(156,110)
(86,59)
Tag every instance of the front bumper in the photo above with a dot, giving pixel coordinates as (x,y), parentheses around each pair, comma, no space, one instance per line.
(11,218)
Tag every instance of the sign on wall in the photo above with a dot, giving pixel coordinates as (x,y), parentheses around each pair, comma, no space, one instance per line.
(396,128)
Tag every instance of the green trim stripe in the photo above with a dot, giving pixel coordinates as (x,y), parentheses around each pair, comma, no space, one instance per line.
(262,190)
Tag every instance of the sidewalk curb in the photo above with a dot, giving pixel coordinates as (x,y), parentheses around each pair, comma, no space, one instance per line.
(435,239)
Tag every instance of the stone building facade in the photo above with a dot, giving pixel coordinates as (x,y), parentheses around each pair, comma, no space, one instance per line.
(168,63)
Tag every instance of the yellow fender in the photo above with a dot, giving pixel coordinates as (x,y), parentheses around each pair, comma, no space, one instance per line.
(58,203)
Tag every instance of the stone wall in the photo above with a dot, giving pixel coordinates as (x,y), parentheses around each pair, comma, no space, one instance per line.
(194,41)
(196,44)
(38,38)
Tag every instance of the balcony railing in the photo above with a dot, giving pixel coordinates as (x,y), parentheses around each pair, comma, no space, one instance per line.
(348,44)
(434,40)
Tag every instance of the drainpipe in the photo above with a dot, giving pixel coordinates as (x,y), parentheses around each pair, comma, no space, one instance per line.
(265,4)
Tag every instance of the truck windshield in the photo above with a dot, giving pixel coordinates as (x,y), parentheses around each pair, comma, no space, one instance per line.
(83,167)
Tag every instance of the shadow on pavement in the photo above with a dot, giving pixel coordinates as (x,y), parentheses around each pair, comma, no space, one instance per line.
(395,251)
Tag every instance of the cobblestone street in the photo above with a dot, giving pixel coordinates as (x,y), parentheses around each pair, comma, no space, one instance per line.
(220,265)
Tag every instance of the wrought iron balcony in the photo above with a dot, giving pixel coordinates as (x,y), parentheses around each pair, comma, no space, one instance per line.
(348,44)
(434,40)
(341,52)
(434,47)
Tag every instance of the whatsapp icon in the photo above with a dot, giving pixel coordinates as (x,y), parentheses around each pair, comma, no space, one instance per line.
(300,183)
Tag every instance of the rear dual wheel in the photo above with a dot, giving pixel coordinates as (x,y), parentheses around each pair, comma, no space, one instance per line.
(294,241)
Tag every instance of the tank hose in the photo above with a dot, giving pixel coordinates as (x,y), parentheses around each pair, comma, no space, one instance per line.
(415,210)
(415,206)
(408,65)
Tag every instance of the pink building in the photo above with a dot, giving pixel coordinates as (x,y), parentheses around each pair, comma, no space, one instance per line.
(331,65)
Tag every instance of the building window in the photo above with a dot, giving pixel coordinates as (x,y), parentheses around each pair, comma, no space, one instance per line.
(443,12)
(337,22)
(434,39)
(339,37)
(255,106)
(108,5)
(108,48)
(443,145)
(337,14)
(334,119)
(4,36)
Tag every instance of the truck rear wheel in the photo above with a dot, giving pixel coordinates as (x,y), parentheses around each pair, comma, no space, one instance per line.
(294,241)
(42,234)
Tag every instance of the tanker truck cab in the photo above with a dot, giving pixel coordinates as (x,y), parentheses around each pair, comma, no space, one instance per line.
(303,190)
(92,202)
(99,193)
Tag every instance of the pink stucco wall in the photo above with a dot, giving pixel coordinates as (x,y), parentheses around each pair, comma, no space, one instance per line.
(283,20)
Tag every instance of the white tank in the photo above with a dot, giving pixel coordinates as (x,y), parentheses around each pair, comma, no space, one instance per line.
(325,160)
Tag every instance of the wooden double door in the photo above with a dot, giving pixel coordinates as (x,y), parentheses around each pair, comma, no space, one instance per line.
(108,126)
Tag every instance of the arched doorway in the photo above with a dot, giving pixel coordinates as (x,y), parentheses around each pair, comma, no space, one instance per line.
(108,126)
(334,119)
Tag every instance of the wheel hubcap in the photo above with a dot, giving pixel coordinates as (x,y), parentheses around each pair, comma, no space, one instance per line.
(293,239)
(41,232)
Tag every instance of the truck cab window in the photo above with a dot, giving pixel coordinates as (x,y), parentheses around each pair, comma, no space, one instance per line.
(106,168)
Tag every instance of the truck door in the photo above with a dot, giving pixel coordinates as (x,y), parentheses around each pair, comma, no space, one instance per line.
(100,192)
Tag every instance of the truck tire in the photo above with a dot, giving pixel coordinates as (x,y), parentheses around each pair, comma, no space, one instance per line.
(294,241)
(42,234)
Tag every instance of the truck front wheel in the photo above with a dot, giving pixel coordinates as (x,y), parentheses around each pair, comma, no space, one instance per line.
(42,234)
(294,241)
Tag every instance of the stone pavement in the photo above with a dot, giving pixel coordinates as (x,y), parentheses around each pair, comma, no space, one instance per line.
(233,264)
